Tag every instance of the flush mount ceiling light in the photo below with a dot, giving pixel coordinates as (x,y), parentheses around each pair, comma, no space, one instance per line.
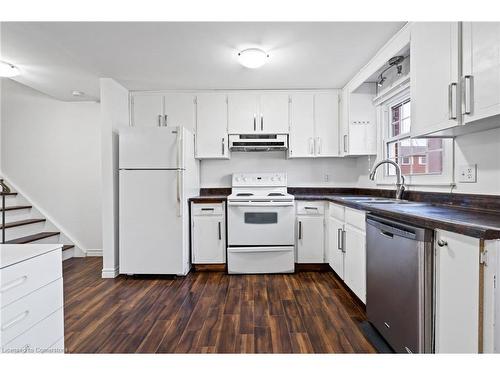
(252,58)
(8,70)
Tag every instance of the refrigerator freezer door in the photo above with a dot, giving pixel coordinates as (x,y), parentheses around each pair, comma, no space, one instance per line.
(150,148)
(152,237)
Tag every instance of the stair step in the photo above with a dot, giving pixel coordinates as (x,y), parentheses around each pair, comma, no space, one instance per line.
(67,247)
(33,237)
(13,208)
(21,223)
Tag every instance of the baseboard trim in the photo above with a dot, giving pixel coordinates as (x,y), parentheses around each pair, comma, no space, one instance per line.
(67,254)
(93,252)
(209,267)
(312,267)
(109,273)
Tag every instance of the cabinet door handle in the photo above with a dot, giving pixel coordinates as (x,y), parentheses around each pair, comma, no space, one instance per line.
(311,208)
(345,142)
(261,121)
(318,139)
(452,115)
(16,320)
(254,122)
(468,83)
(223,147)
(159,120)
(166,120)
(442,243)
(311,146)
(343,240)
(220,231)
(300,230)
(339,238)
(207,208)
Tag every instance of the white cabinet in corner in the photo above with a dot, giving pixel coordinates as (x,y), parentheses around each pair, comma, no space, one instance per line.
(314,124)
(211,126)
(208,233)
(358,121)
(310,232)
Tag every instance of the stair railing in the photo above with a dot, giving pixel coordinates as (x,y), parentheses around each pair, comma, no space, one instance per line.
(5,191)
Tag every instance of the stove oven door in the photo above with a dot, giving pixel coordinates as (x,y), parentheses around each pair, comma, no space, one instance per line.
(253,223)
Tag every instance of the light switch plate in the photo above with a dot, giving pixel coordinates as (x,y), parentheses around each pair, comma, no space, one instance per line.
(467,173)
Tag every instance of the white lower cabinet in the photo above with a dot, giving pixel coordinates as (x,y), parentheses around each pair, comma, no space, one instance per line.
(310,232)
(457,293)
(347,246)
(31,300)
(355,260)
(208,233)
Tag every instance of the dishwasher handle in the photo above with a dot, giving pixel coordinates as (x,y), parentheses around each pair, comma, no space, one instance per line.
(391,228)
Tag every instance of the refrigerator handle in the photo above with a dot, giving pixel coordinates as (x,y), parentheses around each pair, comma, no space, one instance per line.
(179,188)
(180,151)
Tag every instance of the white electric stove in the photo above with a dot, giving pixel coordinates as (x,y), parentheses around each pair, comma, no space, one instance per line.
(261,224)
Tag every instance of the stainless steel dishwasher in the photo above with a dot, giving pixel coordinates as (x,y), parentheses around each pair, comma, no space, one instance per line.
(399,282)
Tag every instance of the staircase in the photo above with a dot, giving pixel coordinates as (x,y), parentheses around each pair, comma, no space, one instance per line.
(24,224)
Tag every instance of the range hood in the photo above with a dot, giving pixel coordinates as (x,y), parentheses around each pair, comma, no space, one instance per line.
(258,142)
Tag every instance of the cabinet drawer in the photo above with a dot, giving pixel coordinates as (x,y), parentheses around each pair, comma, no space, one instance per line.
(203,209)
(356,218)
(336,211)
(24,313)
(41,337)
(23,278)
(310,208)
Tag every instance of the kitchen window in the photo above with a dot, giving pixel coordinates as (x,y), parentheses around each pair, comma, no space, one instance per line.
(423,161)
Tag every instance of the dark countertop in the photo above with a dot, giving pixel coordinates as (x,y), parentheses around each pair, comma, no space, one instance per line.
(468,221)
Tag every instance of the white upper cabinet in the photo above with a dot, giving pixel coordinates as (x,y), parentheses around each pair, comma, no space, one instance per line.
(180,110)
(359,125)
(211,126)
(242,113)
(314,125)
(435,95)
(258,113)
(301,142)
(326,124)
(147,110)
(176,109)
(481,70)
(274,113)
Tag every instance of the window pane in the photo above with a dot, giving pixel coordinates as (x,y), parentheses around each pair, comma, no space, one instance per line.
(405,148)
(406,110)
(435,144)
(435,162)
(405,126)
(395,120)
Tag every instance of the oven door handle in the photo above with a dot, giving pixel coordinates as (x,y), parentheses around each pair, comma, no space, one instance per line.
(260,204)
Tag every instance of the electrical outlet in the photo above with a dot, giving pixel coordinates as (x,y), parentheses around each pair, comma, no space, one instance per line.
(467,173)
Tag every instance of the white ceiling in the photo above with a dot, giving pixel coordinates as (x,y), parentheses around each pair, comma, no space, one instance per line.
(57,58)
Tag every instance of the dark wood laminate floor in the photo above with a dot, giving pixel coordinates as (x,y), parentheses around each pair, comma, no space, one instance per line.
(208,312)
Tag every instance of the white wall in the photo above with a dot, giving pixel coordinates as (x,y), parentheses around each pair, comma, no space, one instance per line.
(114,115)
(481,148)
(301,172)
(51,151)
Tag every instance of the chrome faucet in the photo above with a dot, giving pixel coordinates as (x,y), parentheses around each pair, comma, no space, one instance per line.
(400,179)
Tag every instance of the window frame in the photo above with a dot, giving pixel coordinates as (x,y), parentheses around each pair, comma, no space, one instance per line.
(384,126)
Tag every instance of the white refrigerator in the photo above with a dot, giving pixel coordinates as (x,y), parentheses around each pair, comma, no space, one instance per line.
(158,174)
